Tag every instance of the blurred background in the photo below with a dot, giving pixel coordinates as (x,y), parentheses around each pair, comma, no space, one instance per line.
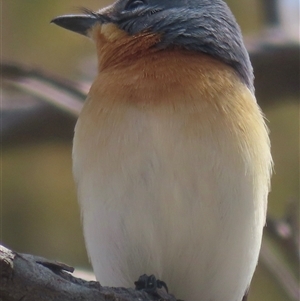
(39,212)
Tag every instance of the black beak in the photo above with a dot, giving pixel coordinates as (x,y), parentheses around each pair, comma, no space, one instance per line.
(79,23)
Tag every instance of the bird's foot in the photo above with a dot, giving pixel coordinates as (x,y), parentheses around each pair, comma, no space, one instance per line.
(149,284)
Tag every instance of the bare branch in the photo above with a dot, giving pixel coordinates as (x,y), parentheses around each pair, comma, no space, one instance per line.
(64,94)
(32,278)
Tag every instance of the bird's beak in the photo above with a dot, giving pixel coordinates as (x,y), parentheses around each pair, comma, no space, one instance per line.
(80,23)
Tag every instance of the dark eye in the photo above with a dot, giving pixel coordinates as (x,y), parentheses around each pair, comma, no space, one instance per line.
(133,4)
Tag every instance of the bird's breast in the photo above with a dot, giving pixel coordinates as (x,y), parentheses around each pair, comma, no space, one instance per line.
(165,160)
(171,103)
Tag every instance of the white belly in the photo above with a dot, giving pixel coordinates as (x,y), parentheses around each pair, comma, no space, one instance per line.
(171,194)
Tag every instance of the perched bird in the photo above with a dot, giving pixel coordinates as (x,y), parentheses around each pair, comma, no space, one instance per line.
(171,152)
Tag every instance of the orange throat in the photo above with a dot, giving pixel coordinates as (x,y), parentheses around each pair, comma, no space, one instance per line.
(132,70)
(115,47)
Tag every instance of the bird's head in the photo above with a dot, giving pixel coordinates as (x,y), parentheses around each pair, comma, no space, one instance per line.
(136,26)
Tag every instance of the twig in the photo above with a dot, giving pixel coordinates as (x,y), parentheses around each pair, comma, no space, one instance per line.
(279,271)
(64,94)
(31,278)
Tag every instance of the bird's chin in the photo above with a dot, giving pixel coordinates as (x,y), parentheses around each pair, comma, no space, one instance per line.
(116,47)
(107,33)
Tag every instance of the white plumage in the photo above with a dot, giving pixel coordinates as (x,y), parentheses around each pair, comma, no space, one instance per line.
(176,187)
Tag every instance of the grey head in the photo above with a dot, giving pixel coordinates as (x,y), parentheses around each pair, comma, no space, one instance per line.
(206,26)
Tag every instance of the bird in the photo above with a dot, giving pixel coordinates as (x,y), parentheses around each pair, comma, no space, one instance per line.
(171,152)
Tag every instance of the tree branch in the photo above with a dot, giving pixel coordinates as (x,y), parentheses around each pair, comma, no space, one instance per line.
(32,278)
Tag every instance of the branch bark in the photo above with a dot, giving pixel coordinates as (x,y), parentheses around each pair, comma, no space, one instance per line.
(32,278)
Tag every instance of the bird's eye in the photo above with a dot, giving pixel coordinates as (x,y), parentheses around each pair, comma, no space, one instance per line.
(133,4)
